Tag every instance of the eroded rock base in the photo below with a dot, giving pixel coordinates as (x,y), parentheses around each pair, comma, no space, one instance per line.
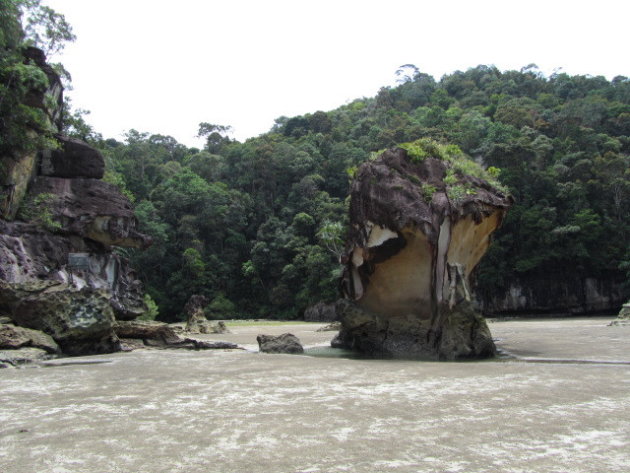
(462,334)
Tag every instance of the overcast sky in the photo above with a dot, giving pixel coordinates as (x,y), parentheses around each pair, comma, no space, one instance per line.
(163,67)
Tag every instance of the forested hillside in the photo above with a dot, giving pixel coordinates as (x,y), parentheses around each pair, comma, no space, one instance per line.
(257,226)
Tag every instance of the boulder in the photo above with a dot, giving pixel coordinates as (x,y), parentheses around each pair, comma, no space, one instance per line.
(79,320)
(285,343)
(58,273)
(321,312)
(15,337)
(418,227)
(74,158)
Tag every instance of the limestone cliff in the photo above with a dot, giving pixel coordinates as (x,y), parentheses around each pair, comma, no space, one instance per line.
(419,226)
(58,228)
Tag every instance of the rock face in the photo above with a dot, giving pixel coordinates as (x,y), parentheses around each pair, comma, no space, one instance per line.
(79,320)
(74,159)
(58,223)
(285,343)
(419,226)
(91,209)
(565,296)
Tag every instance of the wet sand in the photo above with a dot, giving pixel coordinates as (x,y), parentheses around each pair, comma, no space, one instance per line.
(561,404)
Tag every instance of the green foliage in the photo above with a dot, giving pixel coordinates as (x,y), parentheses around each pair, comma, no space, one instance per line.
(26,128)
(38,209)
(456,193)
(415,151)
(331,236)
(427,192)
(220,308)
(45,28)
(152,309)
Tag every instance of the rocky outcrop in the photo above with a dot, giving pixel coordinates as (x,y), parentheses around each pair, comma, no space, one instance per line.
(73,159)
(285,343)
(419,226)
(29,253)
(58,271)
(143,334)
(196,321)
(91,209)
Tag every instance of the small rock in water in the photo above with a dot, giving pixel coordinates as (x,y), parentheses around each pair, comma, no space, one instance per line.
(285,343)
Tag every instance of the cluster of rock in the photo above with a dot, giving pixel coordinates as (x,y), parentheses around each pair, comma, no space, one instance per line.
(412,245)
(143,334)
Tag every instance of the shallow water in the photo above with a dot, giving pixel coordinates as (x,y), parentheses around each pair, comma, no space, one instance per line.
(235,411)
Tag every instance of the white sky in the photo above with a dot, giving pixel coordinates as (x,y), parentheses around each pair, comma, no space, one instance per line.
(164,66)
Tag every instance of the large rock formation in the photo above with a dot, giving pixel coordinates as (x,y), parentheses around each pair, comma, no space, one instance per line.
(58,224)
(419,226)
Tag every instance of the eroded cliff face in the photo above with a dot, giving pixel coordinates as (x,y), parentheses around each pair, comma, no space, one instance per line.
(414,240)
(59,225)
(569,295)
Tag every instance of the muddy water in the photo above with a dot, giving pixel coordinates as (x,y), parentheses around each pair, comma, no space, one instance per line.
(561,404)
